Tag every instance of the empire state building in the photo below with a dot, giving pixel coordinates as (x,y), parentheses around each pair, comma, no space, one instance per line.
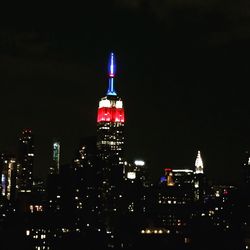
(110,130)
(110,151)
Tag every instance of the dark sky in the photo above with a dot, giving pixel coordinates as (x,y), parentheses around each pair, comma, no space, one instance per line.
(182,70)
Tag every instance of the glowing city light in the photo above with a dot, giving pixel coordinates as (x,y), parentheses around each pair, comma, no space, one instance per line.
(110,115)
(131,175)
(111,90)
(199,164)
(112,65)
(139,163)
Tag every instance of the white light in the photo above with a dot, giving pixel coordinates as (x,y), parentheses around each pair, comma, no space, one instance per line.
(27,232)
(199,164)
(104,104)
(131,175)
(118,104)
(183,170)
(139,163)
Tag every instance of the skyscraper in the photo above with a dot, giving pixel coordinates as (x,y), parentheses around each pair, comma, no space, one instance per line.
(199,164)
(8,176)
(110,130)
(25,161)
(246,170)
(54,168)
(200,180)
(110,152)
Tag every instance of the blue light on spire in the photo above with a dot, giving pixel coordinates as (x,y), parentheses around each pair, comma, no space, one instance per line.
(112,65)
(111,90)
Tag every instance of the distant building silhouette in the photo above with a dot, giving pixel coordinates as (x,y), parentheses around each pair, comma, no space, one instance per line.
(25,161)
(8,171)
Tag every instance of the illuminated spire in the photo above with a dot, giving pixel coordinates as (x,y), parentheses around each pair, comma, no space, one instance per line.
(198,164)
(111,69)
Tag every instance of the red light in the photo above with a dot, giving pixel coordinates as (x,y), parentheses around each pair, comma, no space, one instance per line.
(168,169)
(110,115)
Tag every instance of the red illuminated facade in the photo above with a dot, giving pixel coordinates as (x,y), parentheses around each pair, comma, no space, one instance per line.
(110,126)
(110,115)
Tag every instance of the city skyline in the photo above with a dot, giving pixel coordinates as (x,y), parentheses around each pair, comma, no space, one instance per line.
(186,65)
(111,90)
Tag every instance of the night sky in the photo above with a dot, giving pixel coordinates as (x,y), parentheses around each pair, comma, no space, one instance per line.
(183,72)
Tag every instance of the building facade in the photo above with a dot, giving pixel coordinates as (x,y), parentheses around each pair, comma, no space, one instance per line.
(25,161)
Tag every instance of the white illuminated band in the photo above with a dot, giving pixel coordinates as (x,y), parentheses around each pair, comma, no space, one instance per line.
(118,104)
(105,103)
(139,163)
(183,170)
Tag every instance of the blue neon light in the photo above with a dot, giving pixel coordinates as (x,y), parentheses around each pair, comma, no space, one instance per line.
(112,65)
(163,179)
(111,90)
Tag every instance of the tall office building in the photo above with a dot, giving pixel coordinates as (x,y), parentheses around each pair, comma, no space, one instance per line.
(246,170)
(54,168)
(199,178)
(110,131)
(110,152)
(8,176)
(25,161)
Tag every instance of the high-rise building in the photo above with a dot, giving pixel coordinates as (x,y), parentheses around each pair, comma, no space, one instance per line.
(85,177)
(174,199)
(25,161)
(199,164)
(246,169)
(110,131)
(53,180)
(8,176)
(110,151)
(55,167)
(199,180)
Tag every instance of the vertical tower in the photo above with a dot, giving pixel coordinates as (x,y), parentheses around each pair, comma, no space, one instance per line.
(54,169)
(110,130)
(110,152)
(199,164)
(26,161)
(246,170)
(8,176)
(199,178)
